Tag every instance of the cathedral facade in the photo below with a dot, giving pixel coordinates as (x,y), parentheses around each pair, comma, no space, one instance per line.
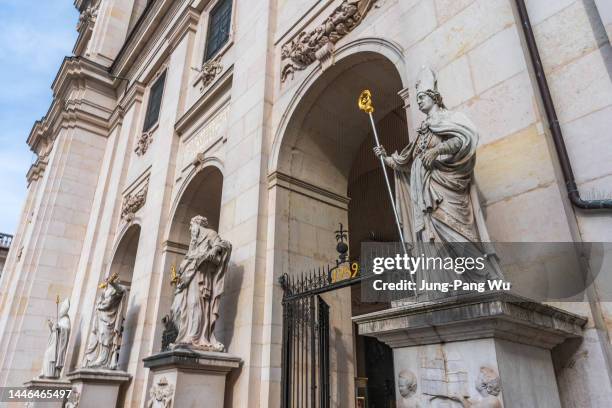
(245,112)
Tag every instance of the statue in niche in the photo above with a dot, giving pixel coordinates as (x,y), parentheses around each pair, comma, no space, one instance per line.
(105,338)
(55,354)
(435,191)
(407,387)
(199,286)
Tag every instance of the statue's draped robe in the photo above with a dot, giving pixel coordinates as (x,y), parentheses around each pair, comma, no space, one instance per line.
(195,307)
(55,354)
(440,205)
(105,337)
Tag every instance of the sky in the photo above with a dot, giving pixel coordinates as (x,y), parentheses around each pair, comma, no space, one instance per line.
(35,36)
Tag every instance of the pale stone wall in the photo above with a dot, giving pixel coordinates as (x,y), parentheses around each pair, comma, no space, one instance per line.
(279,224)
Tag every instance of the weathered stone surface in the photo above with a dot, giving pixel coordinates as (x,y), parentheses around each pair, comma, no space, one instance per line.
(469,317)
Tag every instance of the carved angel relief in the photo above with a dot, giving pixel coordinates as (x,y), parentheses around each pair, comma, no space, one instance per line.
(318,44)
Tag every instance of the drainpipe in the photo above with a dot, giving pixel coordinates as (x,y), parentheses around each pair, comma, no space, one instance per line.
(553,121)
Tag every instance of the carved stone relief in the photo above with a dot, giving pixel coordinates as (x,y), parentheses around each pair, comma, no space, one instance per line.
(143,143)
(443,378)
(87,16)
(318,44)
(74,399)
(160,395)
(209,71)
(134,202)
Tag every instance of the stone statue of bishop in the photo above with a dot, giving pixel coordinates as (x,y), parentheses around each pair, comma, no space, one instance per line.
(105,338)
(55,354)
(434,183)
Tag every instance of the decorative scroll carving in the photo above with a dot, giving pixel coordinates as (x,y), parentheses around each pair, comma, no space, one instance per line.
(134,202)
(160,395)
(143,143)
(209,71)
(87,16)
(318,44)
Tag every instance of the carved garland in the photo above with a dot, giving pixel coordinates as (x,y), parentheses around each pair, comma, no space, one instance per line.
(134,202)
(318,44)
(161,394)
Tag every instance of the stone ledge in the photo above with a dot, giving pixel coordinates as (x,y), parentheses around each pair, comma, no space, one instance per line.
(473,316)
(194,360)
(93,375)
(48,383)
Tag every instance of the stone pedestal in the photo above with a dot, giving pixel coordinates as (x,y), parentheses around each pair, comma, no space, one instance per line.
(487,350)
(48,384)
(188,378)
(97,387)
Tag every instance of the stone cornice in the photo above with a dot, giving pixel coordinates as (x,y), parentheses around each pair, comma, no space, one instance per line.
(37,169)
(473,316)
(146,33)
(70,108)
(279,179)
(221,86)
(133,94)
(80,68)
(187,22)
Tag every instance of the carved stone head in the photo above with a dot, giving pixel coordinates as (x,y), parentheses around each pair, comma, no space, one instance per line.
(427,91)
(406,383)
(198,222)
(488,382)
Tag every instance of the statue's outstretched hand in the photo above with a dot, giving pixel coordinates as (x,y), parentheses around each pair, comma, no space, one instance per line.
(380,151)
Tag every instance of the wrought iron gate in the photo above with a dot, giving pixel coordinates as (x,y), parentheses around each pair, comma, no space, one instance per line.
(305,372)
(305,375)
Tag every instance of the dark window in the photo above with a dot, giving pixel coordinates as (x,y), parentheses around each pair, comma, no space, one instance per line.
(218,27)
(154,103)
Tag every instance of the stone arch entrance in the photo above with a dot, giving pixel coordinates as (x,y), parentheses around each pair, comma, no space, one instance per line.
(325,173)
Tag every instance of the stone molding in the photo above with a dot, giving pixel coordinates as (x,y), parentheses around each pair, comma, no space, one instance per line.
(132,95)
(208,361)
(95,375)
(147,34)
(473,316)
(76,76)
(282,180)
(218,94)
(37,169)
(318,44)
(187,22)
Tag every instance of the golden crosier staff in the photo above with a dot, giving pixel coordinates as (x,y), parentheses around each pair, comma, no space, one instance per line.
(112,279)
(365,104)
(174,278)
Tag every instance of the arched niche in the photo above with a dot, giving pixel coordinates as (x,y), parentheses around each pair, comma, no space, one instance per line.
(326,173)
(124,260)
(201,196)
